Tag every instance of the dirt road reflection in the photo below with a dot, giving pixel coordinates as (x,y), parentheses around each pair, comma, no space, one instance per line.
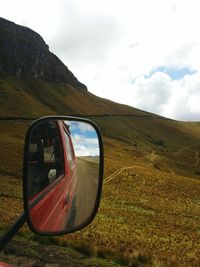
(86,188)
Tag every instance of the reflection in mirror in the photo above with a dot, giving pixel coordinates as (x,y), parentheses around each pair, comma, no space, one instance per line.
(63,174)
(86,146)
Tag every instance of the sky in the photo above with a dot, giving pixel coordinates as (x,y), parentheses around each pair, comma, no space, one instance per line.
(84,138)
(142,53)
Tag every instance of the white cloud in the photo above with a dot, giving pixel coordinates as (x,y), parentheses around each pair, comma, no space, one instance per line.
(40,16)
(174,99)
(184,103)
(85,146)
(151,93)
(84,138)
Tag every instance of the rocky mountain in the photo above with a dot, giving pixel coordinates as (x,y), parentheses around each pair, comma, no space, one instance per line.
(23,52)
(34,82)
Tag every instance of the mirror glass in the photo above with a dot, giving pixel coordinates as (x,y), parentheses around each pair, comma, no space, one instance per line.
(63,161)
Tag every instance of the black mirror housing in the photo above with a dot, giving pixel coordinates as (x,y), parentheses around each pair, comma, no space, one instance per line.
(62,174)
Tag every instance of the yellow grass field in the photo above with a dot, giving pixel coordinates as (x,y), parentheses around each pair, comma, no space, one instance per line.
(147,212)
(150,206)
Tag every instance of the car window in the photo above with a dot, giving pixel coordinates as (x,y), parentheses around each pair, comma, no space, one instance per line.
(46,161)
(69,150)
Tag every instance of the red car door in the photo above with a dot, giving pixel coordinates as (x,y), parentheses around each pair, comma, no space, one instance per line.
(56,178)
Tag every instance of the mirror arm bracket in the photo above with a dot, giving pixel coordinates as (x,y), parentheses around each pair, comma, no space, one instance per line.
(14,228)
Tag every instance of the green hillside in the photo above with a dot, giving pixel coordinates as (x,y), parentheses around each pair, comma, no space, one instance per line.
(150,204)
(29,97)
(166,144)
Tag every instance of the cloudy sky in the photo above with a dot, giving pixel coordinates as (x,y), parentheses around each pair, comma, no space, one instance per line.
(84,138)
(139,52)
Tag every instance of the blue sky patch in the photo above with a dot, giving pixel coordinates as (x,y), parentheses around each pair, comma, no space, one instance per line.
(84,138)
(174,73)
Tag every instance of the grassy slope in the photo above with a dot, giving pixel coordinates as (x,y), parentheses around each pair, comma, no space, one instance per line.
(150,209)
(166,144)
(150,203)
(32,98)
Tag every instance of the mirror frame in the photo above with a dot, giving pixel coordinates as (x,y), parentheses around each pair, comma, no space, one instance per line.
(25,175)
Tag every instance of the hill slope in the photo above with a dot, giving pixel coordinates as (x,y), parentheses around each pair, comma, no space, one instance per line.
(30,97)
(34,82)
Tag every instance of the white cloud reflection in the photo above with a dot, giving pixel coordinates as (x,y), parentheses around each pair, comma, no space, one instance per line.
(84,138)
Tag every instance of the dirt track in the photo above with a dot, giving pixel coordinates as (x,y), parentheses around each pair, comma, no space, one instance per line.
(87,184)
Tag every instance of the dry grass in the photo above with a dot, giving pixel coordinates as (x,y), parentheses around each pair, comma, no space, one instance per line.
(28,97)
(149,212)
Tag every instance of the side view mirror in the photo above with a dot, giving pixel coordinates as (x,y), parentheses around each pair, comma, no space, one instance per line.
(63,172)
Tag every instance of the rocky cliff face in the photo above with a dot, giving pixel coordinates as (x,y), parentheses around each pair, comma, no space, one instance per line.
(23,52)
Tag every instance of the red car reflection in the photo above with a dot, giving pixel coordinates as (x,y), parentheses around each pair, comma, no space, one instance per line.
(52,177)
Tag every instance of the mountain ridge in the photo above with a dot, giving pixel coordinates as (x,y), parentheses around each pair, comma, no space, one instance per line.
(34,82)
(23,52)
